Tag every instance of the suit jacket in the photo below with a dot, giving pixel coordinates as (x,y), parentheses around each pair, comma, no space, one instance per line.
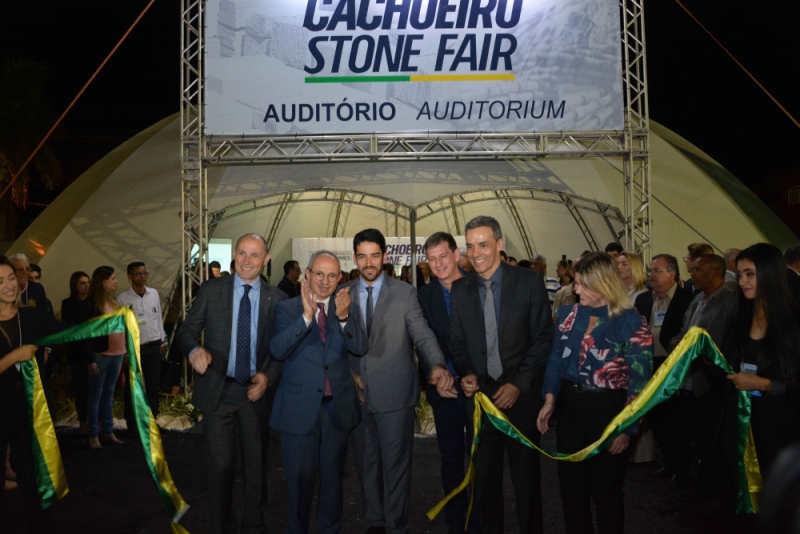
(388,368)
(307,361)
(434,309)
(291,289)
(75,311)
(525,330)
(212,313)
(715,319)
(673,319)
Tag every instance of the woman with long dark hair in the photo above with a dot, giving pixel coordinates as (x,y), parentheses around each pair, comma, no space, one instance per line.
(108,353)
(76,309)
(19,328)
(602,358)
(763,346)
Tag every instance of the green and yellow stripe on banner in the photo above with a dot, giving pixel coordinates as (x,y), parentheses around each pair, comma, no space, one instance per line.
(51,481)
(664,383)
(121,320)
(413,78)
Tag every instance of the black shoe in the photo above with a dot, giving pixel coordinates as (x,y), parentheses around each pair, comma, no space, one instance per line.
(681,482)
(376,530)
(661,472)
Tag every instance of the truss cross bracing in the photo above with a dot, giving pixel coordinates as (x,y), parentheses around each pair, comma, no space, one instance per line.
(199,151)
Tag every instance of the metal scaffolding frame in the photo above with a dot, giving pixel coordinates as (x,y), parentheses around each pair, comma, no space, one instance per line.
(199,151)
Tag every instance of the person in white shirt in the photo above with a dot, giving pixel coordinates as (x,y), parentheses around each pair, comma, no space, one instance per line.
(146,304)
(539,263)
(730,264)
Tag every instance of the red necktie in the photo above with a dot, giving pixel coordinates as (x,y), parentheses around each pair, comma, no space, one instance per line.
(322,323)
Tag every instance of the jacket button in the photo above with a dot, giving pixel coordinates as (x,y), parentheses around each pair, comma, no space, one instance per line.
(319,391)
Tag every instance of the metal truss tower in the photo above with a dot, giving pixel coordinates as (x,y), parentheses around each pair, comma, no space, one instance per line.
(198,151)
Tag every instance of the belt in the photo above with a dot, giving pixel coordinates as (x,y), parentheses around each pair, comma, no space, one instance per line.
(232,380)
(488,380)
(582,387)
(150,344)
(327,398)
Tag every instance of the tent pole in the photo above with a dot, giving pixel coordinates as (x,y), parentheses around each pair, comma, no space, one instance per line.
(413,221)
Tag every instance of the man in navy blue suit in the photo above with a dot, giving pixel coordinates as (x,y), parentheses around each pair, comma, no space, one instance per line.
(453,424)
(315,404)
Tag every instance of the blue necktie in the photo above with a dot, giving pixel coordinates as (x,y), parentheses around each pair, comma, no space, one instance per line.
(243,339)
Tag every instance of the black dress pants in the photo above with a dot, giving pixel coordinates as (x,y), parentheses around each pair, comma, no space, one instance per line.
(38,521)
(582,417)
(80,387)
(524,464)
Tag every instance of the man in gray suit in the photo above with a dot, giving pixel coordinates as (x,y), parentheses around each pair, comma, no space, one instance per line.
(232,372)
(388,384)
(699,401)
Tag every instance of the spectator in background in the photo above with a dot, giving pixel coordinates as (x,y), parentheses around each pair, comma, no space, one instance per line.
(109,352)
(730,264)
(36,276)
(612,249)
(420,277)
(694,251)
(344,278)
(388,268)
(792,258)
(32,294)
(216,268)
(564,272)
(504,256)
(354,274)
(404,273)
(465,265)
(291,274)
(512,260)
(539,263)
(566,295)
(146,304)
(233,267)
(632,272)
(425,267)
(523,264)
(76,309)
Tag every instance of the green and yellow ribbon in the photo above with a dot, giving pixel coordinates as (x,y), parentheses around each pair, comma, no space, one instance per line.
(663,384)
(122,320)
(51,481)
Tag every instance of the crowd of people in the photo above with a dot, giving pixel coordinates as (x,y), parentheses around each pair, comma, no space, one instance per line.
(346,353)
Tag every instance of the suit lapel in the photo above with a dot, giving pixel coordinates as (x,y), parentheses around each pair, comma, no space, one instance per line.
(438,307)
(383,300)
(264,303)
(475,305)
(226,313)
(354,299)
(506,296)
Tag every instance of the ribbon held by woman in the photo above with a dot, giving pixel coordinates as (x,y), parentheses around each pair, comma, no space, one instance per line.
(664,383)
(49,470)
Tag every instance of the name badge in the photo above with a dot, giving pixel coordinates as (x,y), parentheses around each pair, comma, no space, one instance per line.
(752,369)
(659,318)
(140,316)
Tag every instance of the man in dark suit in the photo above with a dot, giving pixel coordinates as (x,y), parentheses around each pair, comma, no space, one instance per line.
(232,372)
(316,405)
(288,284)
(792,256)
(500,338)
(388,384)
(31,293)
(453,424)
(663,308)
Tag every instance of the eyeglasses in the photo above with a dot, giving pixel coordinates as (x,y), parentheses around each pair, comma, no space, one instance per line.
(23,270)
(143,273)
(659,271)
(320,276)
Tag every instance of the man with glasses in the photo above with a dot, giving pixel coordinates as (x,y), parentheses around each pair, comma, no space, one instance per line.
(32,293)
(663,307)
(315,405)
(146,304)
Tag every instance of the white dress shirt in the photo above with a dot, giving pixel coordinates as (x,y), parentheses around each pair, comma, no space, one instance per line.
(147,308)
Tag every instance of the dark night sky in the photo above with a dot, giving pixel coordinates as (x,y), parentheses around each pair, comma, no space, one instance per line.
(694,88)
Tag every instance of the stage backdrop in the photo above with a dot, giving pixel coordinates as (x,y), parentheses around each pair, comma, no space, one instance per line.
(398,250)
(347,66)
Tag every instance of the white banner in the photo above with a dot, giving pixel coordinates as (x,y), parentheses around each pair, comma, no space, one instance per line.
(398,249)
(346,66)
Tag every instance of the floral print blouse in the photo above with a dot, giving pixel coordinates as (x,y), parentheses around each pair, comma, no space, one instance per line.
(617,354)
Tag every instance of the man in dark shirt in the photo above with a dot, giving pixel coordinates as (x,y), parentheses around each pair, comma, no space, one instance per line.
(291,273)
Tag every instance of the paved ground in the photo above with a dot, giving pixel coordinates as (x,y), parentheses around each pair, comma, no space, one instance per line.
(111,492)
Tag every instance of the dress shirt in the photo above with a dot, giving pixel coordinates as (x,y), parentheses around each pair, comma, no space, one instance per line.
(255,297)
(362,295)
(702,302)
(497,287)
(659,350)
(552,285)
(316,314)
(147,308)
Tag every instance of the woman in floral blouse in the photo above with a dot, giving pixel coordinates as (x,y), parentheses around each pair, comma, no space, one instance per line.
(602,358)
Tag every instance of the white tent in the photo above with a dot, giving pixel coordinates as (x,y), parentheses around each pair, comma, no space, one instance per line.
(126,207)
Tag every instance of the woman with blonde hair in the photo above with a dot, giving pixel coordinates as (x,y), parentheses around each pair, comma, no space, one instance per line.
(631,269)
(108,353)
(601,359)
